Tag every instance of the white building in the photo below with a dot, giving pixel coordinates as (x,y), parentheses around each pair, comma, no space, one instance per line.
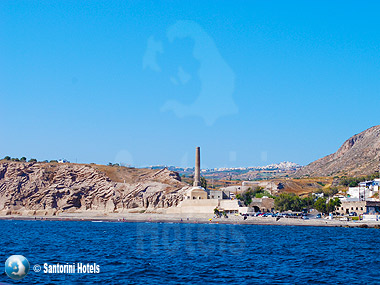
(365,190)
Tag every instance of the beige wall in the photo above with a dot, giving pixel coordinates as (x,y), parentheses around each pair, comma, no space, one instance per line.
(190,206)
(197,194)
(264,204)
(204,206)
(358,207)
(207,206)
(229,205)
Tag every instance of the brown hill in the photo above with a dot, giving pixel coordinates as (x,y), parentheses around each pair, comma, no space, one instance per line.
(359,155)
(51,188)
(304,186)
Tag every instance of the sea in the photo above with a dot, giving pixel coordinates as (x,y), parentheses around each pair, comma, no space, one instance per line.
(185,253)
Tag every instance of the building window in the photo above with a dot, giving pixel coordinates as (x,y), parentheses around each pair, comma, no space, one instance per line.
(361,208)
(357,208)
(352,208)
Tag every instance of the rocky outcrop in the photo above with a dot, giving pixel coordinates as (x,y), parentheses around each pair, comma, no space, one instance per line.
(54,188)
(359,155)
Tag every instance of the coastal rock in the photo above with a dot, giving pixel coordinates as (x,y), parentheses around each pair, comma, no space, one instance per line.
(49,188)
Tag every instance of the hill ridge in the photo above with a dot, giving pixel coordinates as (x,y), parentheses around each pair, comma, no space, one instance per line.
(358,155)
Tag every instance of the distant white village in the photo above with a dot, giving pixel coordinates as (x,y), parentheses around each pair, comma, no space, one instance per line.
(286,165)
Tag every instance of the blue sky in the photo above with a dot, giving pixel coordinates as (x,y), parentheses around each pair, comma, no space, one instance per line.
(144,83)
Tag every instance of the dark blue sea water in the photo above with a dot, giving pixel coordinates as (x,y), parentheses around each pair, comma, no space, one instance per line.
(155,253)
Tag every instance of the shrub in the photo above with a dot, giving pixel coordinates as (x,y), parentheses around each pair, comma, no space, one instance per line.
(354,181)
(331,191)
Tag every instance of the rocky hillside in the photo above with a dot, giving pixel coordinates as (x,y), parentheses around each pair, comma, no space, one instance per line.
(51,188)
(359,155)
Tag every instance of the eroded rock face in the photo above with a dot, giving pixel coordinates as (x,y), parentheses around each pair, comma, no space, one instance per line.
(68,187)
(359,155)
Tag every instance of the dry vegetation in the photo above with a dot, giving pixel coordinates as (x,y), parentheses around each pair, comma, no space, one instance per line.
(121,174)
(305,186)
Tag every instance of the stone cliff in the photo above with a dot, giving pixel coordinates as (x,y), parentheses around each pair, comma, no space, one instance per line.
(359,155)
(52,188)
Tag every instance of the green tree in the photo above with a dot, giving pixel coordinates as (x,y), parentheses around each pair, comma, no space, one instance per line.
(320,205)
(332,204)
(288,201)
(353,184)
(203,182)
(32,160)
(354,181)
(259,189)
(23,159)
(308,202)
(247,196)
(330,192)
(7,158)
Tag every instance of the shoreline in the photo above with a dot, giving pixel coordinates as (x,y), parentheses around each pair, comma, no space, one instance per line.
(195,219)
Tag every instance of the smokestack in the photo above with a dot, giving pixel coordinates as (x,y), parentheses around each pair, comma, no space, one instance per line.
(197,173)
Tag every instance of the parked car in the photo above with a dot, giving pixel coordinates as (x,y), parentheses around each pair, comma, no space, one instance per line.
(318,216)
(353,214)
